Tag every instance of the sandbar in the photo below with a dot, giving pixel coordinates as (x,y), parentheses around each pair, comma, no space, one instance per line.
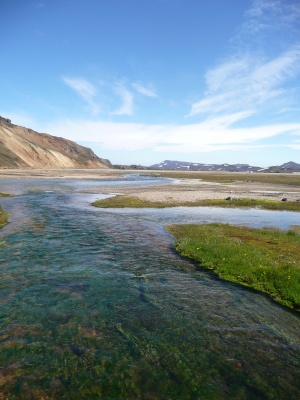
(178,190)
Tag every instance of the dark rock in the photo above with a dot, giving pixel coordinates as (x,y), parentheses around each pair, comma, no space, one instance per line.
(5,120)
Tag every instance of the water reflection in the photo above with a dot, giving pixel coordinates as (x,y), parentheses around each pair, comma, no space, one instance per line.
(255,218)
(23,186)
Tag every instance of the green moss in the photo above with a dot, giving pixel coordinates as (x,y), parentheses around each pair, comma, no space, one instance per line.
(128,201)
(3,217)
(267,260)
(134,202)
(251,203)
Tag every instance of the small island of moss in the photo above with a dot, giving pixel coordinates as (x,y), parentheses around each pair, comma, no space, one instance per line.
(121,201)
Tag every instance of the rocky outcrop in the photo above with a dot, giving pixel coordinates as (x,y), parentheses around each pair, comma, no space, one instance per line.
(24,148)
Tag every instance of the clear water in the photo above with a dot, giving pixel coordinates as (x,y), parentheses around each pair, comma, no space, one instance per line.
(95,304)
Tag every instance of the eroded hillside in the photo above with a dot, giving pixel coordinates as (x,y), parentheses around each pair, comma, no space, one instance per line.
(22,148)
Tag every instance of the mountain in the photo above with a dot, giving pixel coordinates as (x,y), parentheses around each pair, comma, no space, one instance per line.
(187,166)
(24,148)
(290,166)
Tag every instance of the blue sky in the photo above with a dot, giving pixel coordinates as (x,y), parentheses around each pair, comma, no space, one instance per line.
(141,81)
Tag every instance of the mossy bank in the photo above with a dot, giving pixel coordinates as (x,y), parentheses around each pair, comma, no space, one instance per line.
(3,217)
(267,260)
(121,201)
(3,214)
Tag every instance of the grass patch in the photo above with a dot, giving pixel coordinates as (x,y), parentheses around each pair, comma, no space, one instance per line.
(252,203)
(3,217)
(131,202)
(134,202)
(3,194)
(230,177)
(267,260)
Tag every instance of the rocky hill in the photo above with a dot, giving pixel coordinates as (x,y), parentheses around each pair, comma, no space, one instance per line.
(24,148)
(290,166)
(188,166)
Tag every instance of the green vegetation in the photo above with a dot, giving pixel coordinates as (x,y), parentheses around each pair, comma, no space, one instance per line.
(251,203)
(3,217)
(134,202)
(121,201)
(3,214)
(230,177)
(267,260)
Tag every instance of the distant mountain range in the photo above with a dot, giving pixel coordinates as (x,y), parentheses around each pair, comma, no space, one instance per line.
(24,148)
(188,166)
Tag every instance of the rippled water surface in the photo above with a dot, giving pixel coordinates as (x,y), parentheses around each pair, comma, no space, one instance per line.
(96,305)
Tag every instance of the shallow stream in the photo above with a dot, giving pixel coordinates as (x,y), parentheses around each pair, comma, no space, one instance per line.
(95,304)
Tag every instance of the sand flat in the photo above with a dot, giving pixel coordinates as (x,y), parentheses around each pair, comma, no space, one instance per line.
(181,190)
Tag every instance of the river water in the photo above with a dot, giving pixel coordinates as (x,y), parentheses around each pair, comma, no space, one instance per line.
(95,304)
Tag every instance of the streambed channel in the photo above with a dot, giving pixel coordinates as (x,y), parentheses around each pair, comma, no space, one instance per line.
(95,304)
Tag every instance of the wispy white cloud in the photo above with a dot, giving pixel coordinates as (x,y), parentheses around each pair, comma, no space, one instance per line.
(251,76)
(88,92)
(143,90)
(212,134)
(258,7)
(247,82)
(295,144)
(85,90)
(266,15)
(243,86)
(126,107)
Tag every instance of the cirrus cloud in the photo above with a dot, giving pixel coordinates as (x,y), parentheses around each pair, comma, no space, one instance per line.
(85,90)
(143,90)
(126,107)
(247,82)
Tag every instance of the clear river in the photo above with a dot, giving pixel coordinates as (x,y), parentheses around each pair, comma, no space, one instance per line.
(96,304)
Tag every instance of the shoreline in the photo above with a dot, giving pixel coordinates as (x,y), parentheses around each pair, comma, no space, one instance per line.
(32,173)
(244,256)
(185,189)
(183,192)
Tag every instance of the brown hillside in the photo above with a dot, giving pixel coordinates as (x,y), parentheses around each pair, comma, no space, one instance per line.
(22,148)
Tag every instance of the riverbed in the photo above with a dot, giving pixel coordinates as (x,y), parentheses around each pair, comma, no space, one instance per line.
(96,304)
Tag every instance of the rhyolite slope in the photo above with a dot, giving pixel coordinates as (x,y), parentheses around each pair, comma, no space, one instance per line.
(24,148)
